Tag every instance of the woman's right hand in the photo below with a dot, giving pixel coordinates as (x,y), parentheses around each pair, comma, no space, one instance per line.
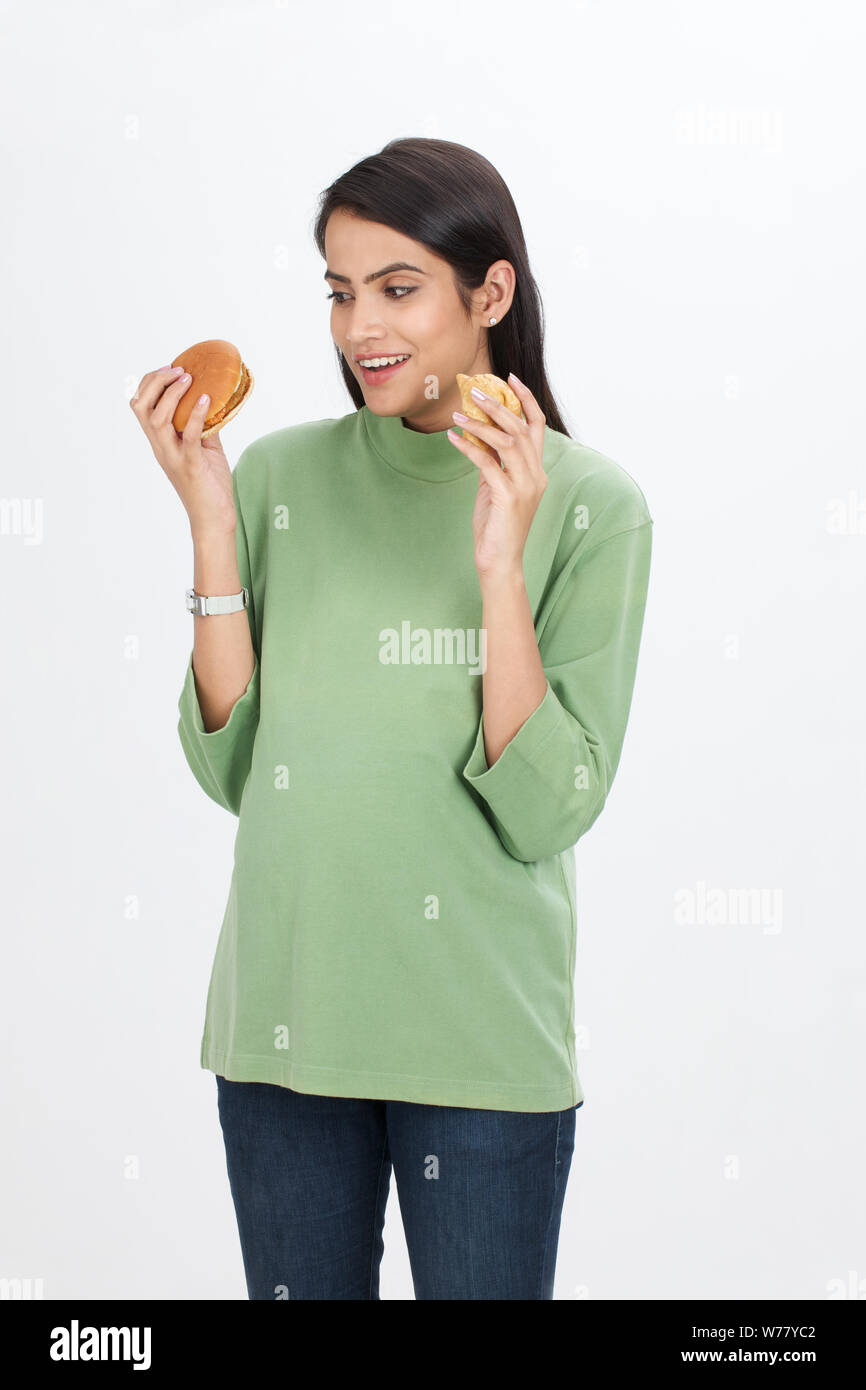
(197,468)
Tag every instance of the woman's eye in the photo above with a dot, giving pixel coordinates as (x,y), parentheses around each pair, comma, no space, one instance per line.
(398,292)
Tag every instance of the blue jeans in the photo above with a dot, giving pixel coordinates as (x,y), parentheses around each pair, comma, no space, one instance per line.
(480,1193)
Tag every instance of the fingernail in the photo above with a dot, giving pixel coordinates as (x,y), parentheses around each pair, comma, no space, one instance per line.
(203,400)
(458,415)
(512,377)
(479,395)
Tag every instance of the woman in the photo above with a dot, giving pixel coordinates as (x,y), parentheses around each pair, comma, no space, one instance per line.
(417,717)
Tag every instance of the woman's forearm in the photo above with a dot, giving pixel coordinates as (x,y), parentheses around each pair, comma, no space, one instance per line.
(223,659)
(514,682)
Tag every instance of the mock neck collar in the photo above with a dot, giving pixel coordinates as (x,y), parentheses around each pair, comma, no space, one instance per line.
(430,457)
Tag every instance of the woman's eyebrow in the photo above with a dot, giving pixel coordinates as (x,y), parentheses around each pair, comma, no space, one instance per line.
(377,274)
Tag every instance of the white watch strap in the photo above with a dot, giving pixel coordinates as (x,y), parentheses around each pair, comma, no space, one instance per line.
(207,605)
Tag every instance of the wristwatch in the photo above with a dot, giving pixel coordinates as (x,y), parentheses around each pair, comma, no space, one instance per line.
(205,605)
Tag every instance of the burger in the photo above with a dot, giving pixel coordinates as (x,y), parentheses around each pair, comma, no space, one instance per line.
(491,386)
(215,367)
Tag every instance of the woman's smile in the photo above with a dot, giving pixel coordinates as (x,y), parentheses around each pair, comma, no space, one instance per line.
(376,376)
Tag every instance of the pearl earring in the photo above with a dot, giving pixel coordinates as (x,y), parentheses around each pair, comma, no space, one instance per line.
(492,321)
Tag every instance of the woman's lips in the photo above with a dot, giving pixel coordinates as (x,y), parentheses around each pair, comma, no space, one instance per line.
(374,378)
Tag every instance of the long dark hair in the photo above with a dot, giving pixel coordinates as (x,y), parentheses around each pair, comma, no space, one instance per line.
(452,200)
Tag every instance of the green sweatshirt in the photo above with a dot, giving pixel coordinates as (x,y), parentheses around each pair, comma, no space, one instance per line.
(401,919)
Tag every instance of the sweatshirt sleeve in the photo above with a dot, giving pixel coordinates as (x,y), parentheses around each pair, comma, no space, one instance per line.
(550,782)
(220,760)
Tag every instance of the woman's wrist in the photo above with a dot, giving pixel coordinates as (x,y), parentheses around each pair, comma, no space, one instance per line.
(506,582)
(215,564)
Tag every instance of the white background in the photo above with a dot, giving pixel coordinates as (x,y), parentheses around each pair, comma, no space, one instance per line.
(690,177)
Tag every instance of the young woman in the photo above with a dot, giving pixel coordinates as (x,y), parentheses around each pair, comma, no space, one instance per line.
(416,716)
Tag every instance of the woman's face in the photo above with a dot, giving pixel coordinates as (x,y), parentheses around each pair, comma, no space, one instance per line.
(414,311)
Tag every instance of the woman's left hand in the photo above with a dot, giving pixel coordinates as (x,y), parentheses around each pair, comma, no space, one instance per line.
(509,491)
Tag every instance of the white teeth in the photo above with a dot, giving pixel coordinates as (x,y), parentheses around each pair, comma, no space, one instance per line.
(382,361)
